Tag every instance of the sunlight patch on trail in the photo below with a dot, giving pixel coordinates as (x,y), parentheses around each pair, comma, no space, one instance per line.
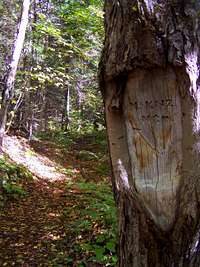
(20,151)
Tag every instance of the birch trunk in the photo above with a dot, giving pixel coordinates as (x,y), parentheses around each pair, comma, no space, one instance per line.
(11,74)
(66,111)
(67,108)
(149,76)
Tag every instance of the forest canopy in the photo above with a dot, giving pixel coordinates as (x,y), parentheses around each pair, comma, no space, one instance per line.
(56,81)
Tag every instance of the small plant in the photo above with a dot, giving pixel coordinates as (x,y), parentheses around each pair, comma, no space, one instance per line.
(94,223)
(14,189)
(103,169)
(11,177)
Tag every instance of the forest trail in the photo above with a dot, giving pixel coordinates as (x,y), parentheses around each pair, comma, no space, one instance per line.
(58,219)
(32,226)
(20,151)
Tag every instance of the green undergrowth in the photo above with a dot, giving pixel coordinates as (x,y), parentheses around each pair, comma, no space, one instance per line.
(92,225)
(86,136)
(12,178)
(88,146)
(83,228)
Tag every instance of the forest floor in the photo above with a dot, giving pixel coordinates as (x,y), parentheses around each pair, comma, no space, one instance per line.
(20,151)
(64,215)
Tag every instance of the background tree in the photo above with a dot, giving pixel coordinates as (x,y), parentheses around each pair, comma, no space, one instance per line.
(149,76)
(63,50)
(9,77)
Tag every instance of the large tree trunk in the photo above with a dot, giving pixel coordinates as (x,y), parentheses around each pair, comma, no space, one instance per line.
(10,75)
(149,75)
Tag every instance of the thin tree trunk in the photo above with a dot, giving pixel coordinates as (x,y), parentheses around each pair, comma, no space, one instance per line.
(67,108)
(149,76)
(31,127)
(11,74)
(45,110)
(66,118)
(14,111)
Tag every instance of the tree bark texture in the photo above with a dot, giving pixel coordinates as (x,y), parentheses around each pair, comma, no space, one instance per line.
(149,76)
(11,74)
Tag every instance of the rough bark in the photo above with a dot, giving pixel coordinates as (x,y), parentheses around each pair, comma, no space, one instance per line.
(149,76)
(8,90)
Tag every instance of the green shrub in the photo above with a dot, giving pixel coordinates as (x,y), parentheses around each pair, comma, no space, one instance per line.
(94,217)
(11,180)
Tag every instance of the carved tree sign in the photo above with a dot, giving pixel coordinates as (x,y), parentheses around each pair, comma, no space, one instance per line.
(149,76)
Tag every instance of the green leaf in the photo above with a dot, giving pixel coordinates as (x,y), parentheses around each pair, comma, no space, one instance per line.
(111,245)
(99,252)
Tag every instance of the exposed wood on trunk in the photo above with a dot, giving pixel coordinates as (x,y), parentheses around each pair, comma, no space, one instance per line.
(149,76)
(153,116)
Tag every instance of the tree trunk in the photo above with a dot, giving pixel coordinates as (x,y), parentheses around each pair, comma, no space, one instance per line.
(66,118)
(149,76)
(11,74)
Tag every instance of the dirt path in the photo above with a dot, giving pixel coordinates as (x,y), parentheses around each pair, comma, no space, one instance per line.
(34,232)
(45,227)
(20,151)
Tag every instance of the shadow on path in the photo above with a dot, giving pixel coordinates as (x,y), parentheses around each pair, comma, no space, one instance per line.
(34,232)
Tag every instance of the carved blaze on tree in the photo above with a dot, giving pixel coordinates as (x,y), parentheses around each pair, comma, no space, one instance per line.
(149,76)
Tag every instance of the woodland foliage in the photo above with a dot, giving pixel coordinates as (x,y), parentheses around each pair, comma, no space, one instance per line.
(56,105)
(56,84)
